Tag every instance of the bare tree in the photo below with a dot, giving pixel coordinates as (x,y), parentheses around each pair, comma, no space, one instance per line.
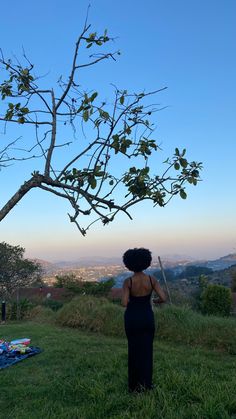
(100,137)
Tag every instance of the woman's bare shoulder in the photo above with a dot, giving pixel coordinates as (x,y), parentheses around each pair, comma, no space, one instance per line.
(155,282)
(154,279)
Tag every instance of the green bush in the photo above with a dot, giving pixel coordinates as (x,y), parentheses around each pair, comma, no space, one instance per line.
(197,292)
(216,300)
(233,280)
(24,306)
(93,314)
(185,326)
(53,304)
(41,314)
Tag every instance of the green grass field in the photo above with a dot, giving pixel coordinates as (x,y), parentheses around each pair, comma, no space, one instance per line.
(84,375)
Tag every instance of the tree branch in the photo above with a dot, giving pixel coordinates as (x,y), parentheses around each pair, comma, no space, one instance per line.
(71,78)
(53,137)
(24,189)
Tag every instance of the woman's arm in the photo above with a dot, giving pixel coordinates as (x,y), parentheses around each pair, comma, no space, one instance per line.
(125,293)
(157,288)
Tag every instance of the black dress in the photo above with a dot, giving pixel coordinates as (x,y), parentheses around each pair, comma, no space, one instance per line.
(139,329)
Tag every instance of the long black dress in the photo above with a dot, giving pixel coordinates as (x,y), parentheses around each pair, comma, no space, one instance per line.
(140,329)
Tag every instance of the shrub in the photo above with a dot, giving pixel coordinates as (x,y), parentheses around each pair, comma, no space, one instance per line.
(216,300)
(183,325)
(203,282)
(24,306)
(93,314)
(233,280)
(53,304)
(41,314)
(198,292)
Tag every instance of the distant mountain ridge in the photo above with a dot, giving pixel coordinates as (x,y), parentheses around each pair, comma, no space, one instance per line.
(47,267)
(230,256)
(223,262)
(216,264)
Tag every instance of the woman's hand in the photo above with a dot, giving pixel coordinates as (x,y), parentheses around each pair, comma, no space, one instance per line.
(157,301)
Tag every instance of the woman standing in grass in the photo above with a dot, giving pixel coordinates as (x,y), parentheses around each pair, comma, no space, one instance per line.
(139,318)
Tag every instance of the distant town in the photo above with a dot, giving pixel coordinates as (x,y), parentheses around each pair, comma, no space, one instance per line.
(101,269)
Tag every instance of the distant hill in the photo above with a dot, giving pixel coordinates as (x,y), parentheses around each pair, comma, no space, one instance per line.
(89,261)
(47,267)
(223,262)
(176,265)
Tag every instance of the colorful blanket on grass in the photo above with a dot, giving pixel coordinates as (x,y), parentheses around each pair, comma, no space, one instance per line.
(13,352)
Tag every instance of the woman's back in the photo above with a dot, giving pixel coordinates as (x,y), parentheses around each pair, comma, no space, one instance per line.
(140,285)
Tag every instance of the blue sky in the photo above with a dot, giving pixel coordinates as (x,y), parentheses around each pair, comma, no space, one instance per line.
(186,45)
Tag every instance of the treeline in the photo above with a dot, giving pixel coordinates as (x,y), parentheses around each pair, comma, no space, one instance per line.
(190,271)
(194,271)
(71,282)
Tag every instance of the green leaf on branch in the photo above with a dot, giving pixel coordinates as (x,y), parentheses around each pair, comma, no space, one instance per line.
(25,71)
(9,115)
(21,120)
(158,198)
(92,36)
(183,162)
(183,194)
(115,143)
(103,114)
(94,95)
(85,115)
(93,183)
(128,130)
(122,99)
(24,110)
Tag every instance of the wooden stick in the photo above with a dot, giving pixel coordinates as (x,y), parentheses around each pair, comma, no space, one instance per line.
(164,277)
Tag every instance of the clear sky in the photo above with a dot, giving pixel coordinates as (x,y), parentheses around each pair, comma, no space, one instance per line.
(186,45)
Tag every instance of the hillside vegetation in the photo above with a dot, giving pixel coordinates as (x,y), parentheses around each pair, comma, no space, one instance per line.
(174,324)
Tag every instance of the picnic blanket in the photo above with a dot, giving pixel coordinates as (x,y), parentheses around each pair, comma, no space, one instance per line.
(15,351)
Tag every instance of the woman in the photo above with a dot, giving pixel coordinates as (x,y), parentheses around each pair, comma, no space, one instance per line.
(139,318)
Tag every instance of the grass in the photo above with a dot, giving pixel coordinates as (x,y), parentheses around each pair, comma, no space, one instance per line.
(84,375)
(175,324)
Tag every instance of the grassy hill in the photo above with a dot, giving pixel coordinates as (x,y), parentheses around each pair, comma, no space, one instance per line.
(83,374)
